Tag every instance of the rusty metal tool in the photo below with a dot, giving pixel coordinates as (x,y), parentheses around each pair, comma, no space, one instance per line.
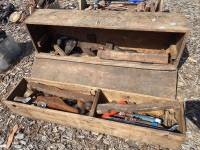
(144,107)
(55,103)
(22,99)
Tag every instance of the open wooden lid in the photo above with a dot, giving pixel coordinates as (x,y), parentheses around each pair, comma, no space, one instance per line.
(165,22)
(157,80)
(158,83)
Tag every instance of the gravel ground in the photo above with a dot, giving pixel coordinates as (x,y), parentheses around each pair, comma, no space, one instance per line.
(35,134)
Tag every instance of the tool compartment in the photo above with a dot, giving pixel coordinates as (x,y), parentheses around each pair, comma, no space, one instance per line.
(145,33)
(135,82)
(96,123)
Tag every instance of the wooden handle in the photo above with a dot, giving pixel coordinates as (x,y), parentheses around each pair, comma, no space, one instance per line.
(130,108)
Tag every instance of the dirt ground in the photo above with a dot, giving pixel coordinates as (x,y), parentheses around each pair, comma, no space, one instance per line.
(36,134)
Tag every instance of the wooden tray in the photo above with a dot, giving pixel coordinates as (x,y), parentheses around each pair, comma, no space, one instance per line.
(96,124)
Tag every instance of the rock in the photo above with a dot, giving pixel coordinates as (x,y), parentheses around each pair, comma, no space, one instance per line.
(23,142)
(95,133)
(106,142)
(12,116)
(85,132)
(19,136)
(61,147)
(3,146)
(61,128)
(81,136)
(79,147)
(1,140)
(99,137)
(18,146)
(44,138)
(125,145)
(55,129)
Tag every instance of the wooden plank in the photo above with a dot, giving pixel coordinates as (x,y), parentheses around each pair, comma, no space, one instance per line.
(58,50)
(161,5)
(110,20)
(95,102)
(121,130)
(139,57)
(60,92)
(98,61)
(130,108)
(147,82)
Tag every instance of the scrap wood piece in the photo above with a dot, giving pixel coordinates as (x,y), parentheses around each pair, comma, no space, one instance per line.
(11,136)
(130,108)
(140,7)
(56,103)
(61,92)
(156,5)
(138,57)
(147,7)
(152,8)
(95,102)
(58,50)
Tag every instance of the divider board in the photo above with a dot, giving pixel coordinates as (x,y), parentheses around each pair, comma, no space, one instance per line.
(147,82)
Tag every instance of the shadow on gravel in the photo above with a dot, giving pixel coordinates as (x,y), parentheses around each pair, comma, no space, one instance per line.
(184,57)
(192,111)
(27,49)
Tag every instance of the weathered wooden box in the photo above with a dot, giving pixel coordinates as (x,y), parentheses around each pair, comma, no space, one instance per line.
(132,81)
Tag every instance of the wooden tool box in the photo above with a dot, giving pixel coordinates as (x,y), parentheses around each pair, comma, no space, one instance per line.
(131,81)
(159,3)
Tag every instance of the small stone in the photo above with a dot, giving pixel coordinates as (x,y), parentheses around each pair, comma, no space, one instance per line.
(81,136)
(106,142)
(1,140)
(95,133)
(44,138)
(19,136)
(55,129)
(192,60)
(12,116)
(61,147)
(85,132)
(30,146)
(23,142)
(99,137)
(79,147)
(61,128)
(18,146)
(125,145)
(3,146)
